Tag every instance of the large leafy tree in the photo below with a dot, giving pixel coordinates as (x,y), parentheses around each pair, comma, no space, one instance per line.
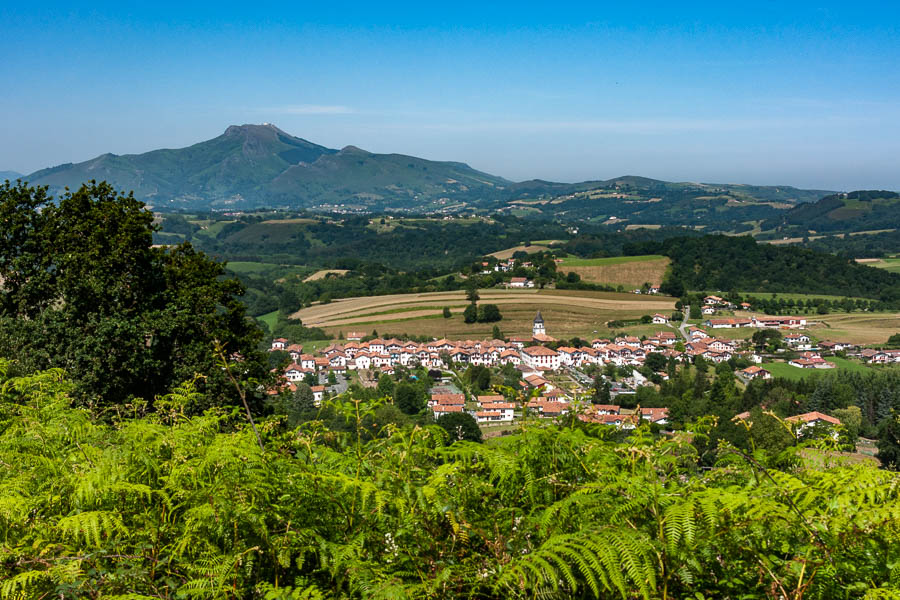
(84,289)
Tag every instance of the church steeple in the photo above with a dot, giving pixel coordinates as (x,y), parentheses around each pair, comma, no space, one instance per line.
(538,327)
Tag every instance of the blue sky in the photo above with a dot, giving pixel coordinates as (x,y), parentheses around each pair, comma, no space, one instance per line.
(804,94)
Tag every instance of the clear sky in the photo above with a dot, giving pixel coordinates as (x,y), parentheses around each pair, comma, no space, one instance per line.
(799,93)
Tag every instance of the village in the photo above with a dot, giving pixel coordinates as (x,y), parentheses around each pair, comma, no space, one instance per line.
(553,377)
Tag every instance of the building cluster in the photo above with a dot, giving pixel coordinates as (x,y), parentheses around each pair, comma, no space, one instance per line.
(758,322)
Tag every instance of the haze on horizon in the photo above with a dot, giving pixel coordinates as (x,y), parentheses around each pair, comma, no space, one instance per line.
(804,94)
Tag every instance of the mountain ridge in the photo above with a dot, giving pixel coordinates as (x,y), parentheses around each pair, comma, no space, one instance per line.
(259,165)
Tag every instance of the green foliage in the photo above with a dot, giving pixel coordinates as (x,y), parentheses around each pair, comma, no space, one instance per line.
(460,427)
(173,505)
(85,289)
(470,314)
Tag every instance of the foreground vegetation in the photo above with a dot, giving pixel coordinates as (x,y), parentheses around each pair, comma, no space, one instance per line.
(185,505)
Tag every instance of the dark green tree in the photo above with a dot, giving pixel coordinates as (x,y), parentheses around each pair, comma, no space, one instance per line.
(460,427)
(470,314)
(446,312)
(85,290)
(409,399)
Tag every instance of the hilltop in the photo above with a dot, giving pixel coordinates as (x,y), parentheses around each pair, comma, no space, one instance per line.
(252,166)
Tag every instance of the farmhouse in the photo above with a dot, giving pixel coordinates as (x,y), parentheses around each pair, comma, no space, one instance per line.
(279,343)
(659,319)
(779,322)
(731,323)
(755,372)
(521,282)
(355,336)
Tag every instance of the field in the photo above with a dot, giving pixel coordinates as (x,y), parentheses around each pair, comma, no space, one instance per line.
(631,271)
(506,254)
(567,313)
(790,372)
(323,274)
(786,296)
(888,264)
(856,328)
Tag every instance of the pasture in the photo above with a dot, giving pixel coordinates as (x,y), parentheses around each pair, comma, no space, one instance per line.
(888,264)
(566,313)
(856,328)
(782,369)
(632,271)
(325,273)
(507,254)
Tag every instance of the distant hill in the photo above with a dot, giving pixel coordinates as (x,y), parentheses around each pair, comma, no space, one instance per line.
(861,210)
(10,175)
(251,166)
(257,165)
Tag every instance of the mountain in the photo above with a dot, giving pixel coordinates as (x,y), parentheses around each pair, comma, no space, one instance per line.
(251,166)
(256,165)
(862,210)
(10,175)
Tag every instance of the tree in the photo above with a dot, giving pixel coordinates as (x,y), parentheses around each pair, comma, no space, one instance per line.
(601,391)
(656,362)
(447,314)
(385,387)
(470,314)
(460,427)
(409,399)
(496,333)
(695,311)
(889,443)
(303,398)
(85,290)
(472,294)
(489,313)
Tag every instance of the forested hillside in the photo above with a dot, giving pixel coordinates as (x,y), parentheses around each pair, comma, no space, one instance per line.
(854,211)
(740,263)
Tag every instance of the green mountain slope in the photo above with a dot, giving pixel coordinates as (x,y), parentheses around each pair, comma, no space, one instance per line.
(233,168)
(11,175)
(854,211)
(251,166)
(255,165)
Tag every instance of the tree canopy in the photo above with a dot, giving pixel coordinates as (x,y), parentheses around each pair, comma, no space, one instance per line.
(84,289)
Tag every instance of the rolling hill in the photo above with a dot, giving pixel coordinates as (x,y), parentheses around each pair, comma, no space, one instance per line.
(10,175)
(854,211)
(252,166)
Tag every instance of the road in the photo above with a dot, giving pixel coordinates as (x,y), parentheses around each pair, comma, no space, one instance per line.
(684,323)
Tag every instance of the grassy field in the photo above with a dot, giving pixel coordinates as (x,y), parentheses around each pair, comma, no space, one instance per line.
(785,296)
(269,319)
(567,313)
(856,328)
(631,271)
(506,254)
(244,267)
(790,372)
(888,264)
(323,274)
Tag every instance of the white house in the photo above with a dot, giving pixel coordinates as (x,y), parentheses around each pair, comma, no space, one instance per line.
(539,357)
(659,319)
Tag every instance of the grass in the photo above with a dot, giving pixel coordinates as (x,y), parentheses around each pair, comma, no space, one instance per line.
(796,373)
(632,271)
(506,254)
(269,319)
(785,296)
(581,313)
(855,328)
(612,260)
(888,264)
(243,267)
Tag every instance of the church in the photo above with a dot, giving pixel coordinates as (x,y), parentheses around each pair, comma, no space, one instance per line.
(539,330)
